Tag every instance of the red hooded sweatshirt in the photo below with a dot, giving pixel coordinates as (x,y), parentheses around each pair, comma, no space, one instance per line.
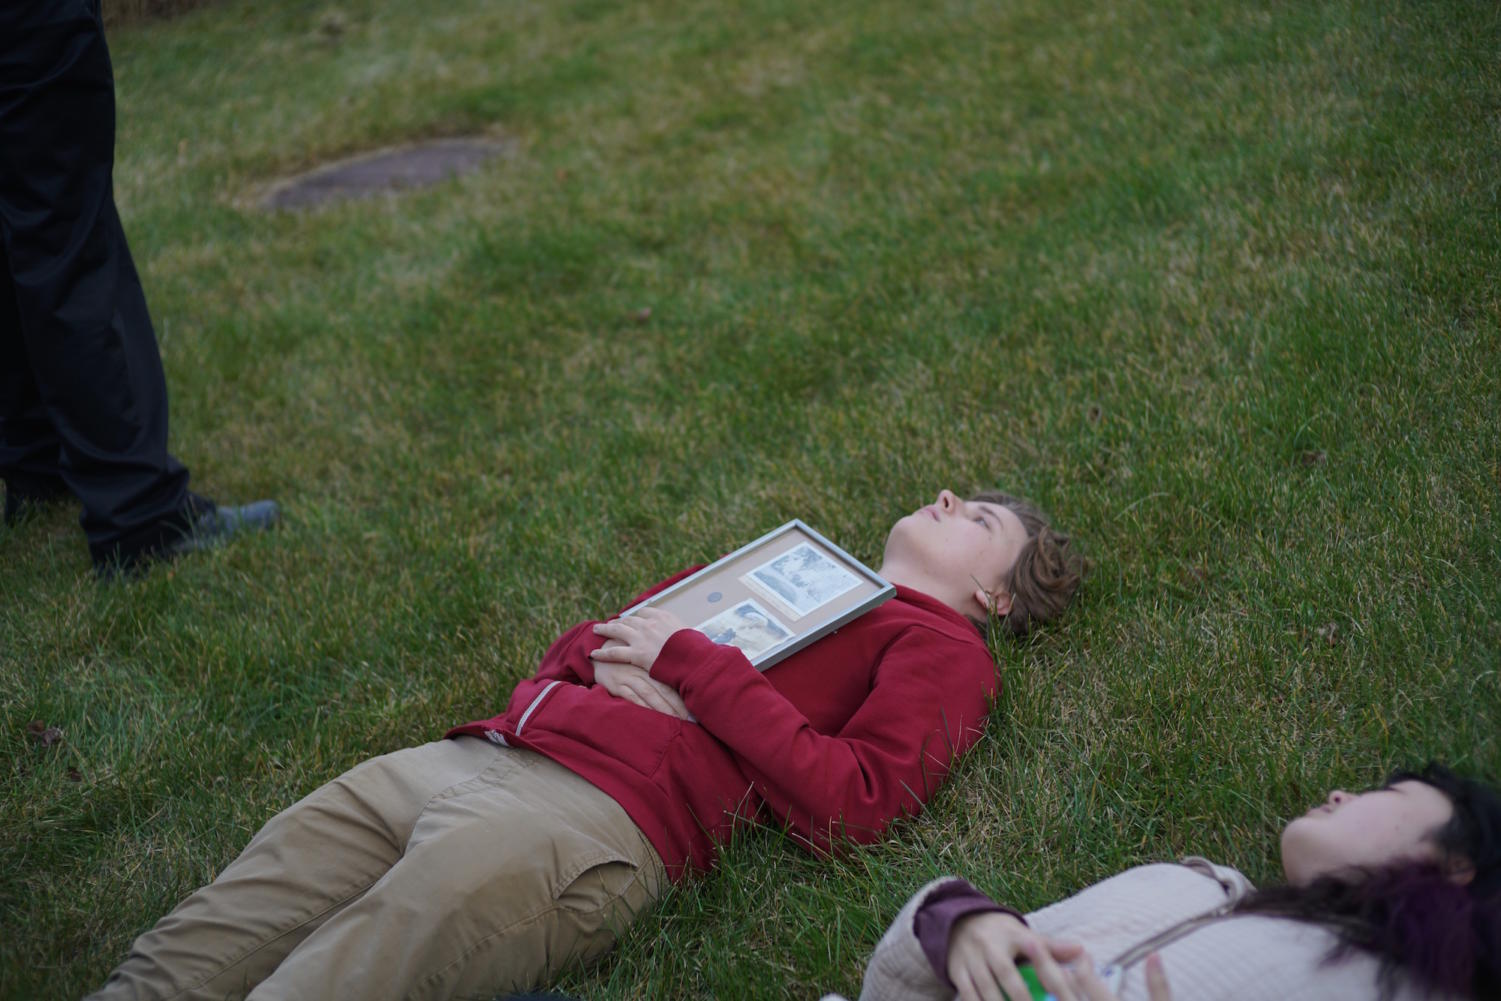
(835,741)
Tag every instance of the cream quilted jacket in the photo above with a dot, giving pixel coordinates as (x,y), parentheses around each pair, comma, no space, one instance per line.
(1232,958)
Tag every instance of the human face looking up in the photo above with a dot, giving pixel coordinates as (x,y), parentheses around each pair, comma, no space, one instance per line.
(1375,828)
(957,550)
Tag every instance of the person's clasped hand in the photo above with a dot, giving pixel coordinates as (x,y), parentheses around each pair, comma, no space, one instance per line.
(984,950)
(622,666)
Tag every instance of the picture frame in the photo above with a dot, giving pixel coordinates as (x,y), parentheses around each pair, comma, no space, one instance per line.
(774,596)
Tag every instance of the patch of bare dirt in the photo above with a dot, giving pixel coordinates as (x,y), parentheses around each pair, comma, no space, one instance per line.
(400,168)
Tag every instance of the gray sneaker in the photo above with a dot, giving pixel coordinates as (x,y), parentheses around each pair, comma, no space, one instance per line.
(201,525)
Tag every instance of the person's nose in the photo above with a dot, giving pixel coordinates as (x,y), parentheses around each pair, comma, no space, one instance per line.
(1337,797)
(947,501)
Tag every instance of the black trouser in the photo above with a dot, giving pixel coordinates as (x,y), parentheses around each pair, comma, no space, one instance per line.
(83,399)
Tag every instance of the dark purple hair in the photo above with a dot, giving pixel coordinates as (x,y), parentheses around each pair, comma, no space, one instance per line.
(1415,916)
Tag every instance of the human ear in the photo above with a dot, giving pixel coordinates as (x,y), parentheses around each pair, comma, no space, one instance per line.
(997,602)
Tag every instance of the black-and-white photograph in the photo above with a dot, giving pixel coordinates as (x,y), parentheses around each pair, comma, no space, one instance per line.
(802,578)
(748,626)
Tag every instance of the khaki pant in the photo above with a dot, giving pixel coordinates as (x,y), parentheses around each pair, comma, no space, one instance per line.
(454,869)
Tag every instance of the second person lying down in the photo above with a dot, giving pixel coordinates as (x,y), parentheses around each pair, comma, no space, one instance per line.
(1391,893)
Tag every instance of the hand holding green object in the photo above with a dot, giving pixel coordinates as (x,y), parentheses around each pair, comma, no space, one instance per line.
(987,953)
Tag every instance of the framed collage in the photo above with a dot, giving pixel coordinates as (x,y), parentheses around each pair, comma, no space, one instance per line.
(776,595)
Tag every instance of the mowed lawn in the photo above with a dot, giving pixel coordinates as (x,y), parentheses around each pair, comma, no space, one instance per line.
(1216,283)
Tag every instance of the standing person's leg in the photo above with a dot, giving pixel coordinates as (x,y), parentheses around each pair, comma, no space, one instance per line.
(307,863)
(508,878)
(29,449)
(82,313)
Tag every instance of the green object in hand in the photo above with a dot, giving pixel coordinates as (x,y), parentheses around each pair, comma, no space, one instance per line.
(1039,992)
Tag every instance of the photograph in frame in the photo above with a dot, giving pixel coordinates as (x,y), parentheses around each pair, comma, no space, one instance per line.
(746,625)
(801,580)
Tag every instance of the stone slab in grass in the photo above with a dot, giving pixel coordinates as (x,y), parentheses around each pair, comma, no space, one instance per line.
(400,168)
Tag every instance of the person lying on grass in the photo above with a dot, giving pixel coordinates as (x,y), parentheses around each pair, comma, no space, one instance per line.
(1392,893)
(488,861)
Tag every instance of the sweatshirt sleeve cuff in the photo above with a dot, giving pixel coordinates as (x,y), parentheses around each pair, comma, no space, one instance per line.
(584,666)
(933,922)
(685,651)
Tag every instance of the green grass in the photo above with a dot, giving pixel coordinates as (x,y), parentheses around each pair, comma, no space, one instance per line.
(1215,283)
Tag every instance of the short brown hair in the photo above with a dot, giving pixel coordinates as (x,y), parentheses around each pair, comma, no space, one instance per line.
(1046,574)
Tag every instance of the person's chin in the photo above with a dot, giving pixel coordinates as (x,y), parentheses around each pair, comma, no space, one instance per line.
(902,529)
(1293,845)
